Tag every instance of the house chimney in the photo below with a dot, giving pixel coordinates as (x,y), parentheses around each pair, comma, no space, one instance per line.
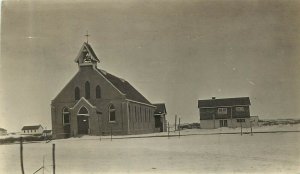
(213,98)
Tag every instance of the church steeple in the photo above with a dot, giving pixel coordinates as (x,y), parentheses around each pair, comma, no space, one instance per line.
(86,56)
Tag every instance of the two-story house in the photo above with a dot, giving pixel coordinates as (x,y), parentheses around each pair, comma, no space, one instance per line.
(225,112)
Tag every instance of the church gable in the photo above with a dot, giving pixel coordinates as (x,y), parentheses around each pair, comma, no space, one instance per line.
(78,85)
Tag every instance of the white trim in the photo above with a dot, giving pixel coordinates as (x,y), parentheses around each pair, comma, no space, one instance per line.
(108,81)
(82,98)
(66,85)
(140,103)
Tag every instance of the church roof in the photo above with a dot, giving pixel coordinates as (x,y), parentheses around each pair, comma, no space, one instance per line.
(124,87)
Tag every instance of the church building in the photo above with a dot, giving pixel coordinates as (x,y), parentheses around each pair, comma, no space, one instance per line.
(95,102)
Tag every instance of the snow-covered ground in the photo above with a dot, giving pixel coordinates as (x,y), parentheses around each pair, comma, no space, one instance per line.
(226,153)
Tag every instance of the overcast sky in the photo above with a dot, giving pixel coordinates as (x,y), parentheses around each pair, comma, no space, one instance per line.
(174,52)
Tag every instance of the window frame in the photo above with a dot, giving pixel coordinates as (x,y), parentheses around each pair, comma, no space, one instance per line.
(222,111)
(111,110)
(66,112)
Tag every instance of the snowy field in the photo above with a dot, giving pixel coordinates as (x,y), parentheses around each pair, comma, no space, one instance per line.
(226,153)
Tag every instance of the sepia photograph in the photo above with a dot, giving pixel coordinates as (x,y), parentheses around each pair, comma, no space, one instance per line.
(150,86)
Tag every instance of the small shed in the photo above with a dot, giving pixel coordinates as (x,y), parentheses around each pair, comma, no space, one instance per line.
(160,117)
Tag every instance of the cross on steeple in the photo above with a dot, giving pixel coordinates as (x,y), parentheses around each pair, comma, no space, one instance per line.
(87,36)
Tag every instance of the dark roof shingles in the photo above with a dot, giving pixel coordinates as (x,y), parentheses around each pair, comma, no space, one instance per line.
(31,127)
(125,87)
(224,102)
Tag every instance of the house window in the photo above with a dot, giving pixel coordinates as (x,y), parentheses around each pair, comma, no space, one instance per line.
(223,123)
(98,92)
(240,109)
(34,130)
(66,116)
(112,113)
(87,90)
(240,120)
(24,131)
(222,110)
(77,93)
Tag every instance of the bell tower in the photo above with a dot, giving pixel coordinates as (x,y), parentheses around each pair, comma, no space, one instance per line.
(86,55)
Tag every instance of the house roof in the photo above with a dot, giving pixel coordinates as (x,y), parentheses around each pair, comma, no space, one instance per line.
(160,108)
(124,87)
(34,127)
(224,102)
(1,129)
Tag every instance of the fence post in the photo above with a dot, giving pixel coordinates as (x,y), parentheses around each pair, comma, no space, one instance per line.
(21,154)
(241,129)
(110,133)
(251,128)
(179,126)
(168,130)
(53,157)
(99,127)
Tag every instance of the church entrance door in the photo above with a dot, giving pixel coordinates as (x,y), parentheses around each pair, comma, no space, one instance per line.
(83,124)
(83,121)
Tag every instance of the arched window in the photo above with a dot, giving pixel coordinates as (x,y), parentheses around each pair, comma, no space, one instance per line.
(83,111)
(87,90)
(66,116)
(98,92)
(77,93)
(112,113)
